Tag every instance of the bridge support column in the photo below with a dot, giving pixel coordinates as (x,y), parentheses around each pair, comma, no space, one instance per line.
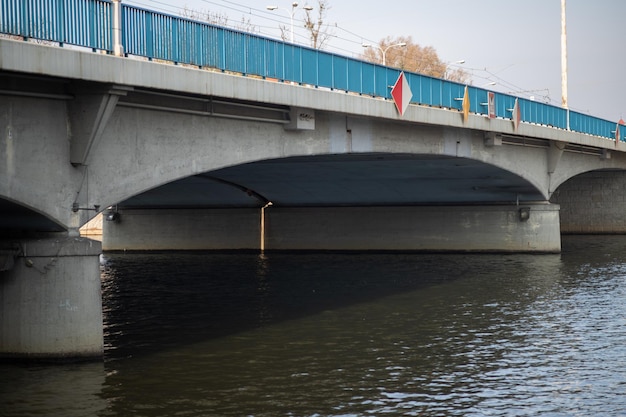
(50,300)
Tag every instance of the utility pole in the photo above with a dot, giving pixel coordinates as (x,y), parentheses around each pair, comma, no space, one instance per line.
(563,57)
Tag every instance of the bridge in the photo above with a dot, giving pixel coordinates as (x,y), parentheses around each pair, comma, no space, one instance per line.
(188,136)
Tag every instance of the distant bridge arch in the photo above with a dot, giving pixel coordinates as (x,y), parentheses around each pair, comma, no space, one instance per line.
(593,202)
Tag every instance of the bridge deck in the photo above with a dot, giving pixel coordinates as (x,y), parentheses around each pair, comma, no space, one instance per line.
(146,33)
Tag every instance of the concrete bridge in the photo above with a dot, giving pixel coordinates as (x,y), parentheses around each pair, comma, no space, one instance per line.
(182,157)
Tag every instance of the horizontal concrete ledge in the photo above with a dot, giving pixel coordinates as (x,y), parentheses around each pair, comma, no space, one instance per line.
(60,247)
(51,358)
(507,228)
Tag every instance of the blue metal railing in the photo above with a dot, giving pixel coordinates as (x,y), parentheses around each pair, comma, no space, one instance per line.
(146,33)
(78,22)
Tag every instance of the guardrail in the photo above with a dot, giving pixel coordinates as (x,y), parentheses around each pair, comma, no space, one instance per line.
(78,22)
(129,30)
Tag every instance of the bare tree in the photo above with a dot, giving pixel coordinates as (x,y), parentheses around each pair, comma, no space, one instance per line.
(205,16)
(214,18)
(413,57)
(284,33)
(318,31)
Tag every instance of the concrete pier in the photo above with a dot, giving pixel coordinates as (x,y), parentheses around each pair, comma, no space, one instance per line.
(506,228)
(50,300)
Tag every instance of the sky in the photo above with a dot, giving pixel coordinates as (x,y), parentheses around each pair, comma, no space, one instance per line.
(516,44)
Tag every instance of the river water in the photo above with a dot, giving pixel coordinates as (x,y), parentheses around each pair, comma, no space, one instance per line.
(348,334)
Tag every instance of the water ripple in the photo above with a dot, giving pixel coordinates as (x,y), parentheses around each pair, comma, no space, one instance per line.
(351,335)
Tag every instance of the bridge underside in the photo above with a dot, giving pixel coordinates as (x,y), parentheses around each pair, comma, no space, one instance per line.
(345,180)
(366,201)
(16,219)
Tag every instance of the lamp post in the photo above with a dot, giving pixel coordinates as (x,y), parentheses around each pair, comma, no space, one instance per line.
(384,51)
(563,56)
(459,62)
(291,13)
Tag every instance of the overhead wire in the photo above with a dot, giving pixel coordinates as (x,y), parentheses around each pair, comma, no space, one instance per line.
(247,10)
(349,37)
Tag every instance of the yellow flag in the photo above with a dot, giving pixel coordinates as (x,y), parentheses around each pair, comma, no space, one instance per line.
(466,105)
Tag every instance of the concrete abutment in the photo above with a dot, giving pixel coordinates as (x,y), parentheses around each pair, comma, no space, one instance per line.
(50,300)
(505,228)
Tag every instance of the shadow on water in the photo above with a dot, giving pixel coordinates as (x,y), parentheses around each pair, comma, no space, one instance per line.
(306,333)
(154,302)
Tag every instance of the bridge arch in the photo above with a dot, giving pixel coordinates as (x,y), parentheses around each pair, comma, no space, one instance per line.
(361,179)
(146,149)
(18,218)
(593,202)
(358,201)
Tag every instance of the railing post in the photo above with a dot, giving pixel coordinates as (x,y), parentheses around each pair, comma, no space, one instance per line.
(24,26)
(118,48)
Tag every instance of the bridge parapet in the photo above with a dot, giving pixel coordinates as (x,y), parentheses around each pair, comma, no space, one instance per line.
(153,35)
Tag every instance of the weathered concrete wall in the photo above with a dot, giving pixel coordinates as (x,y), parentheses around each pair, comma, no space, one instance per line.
(468,228)
(593,203)
(452,228)
(50,301)
(34,156)
(184,229)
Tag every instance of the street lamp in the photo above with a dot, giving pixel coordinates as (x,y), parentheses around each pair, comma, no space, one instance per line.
(384,51)
(459,62)
(294,5)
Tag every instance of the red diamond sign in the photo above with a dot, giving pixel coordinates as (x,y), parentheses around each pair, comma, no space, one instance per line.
(401,93)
